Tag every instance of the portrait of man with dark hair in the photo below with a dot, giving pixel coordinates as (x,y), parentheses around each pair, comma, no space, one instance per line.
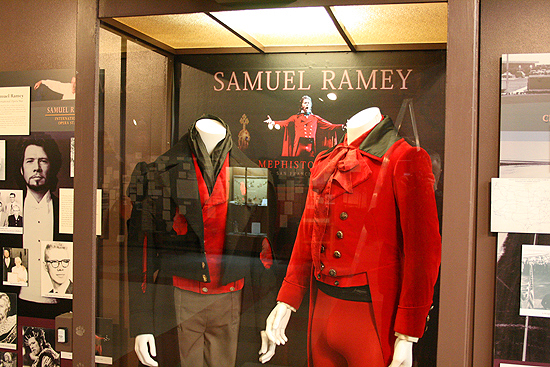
(39,162)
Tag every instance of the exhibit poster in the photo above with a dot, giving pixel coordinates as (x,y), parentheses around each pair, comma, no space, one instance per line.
(521,327)
(262,97)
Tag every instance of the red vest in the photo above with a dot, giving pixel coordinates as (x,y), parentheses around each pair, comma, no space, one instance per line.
(214,215)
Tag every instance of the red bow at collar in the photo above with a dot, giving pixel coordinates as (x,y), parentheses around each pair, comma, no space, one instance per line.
(344,165)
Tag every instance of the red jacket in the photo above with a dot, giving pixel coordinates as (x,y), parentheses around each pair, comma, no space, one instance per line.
(370,218)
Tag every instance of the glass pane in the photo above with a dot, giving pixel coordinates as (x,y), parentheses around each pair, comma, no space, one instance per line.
(310,179)
(134,126)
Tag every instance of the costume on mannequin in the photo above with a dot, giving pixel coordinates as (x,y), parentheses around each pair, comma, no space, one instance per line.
(368,245)
(190,243)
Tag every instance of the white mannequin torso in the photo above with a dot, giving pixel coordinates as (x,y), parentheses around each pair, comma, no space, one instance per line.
(211,131)
(362,122)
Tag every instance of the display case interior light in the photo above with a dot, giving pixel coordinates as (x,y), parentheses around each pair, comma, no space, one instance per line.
(286,26)
(394,24)
(330,28)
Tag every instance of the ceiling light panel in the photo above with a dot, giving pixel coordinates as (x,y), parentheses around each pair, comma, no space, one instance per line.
(394,24)
(185,31)
(285,27)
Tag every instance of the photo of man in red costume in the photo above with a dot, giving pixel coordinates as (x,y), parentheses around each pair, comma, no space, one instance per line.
(302,140)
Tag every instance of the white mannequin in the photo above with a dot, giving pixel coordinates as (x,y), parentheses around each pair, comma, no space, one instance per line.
(212,132)
(362,122)
(277,320)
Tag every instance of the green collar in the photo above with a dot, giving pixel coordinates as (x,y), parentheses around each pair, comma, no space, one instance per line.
(381,138)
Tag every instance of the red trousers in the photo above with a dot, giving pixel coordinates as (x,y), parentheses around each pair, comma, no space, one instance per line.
(343,333)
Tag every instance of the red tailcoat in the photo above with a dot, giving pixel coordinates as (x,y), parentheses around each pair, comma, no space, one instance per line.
(371,218)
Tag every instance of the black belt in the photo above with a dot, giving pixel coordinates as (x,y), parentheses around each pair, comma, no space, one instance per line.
(357,294)
(306,141)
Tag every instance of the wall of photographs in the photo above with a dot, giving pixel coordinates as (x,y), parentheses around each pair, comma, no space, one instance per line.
(36,211)
(520,198)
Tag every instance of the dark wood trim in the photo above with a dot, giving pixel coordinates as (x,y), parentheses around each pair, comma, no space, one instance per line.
(254,43)
(456,318)
(341,29)
(138,37)
(125,8)
(85,183)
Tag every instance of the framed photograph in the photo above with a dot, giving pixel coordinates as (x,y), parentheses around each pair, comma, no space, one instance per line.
(57,269)
(15,262)
(11,211)
(535,281)
(8,321)
(38,347)
(8,359)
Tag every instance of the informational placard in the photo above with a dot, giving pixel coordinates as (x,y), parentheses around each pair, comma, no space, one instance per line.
(66,211)
(520,205)
(15,110)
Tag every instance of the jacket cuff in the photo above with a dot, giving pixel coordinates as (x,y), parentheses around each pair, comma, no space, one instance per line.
(411,321)
(141,323)
(291,294)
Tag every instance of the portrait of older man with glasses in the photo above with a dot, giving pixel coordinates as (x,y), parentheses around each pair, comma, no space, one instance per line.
(57,263)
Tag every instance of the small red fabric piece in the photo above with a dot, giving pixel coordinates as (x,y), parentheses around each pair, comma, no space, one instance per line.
(266,256)
(180,223)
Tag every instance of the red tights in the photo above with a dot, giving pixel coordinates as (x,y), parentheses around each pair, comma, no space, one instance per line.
(343,334)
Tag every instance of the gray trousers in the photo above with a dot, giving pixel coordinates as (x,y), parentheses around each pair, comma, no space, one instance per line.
(208,327)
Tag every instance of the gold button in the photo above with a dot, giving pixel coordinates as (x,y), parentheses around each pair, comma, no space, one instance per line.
(336,282)
(427,318)
(343,215)
(232,289)
(203,265)
(332,272)
(322,266)
(340,234)
(204,278)
(337,254)
(318,276)
(322,249)
(205,290)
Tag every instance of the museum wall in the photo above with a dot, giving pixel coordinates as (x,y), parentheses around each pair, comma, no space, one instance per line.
(506,26)
(37,35)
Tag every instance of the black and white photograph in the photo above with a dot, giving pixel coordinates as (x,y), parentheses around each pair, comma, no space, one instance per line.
(524,116)
(57,269)
(38,347)
(11,211)
(15,266)
(8,359)
(535,281)
(8,320)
